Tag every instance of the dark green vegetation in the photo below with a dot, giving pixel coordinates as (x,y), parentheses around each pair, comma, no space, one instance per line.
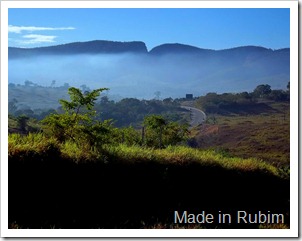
(37,102)
(243,103)
(132,111)
(83,172)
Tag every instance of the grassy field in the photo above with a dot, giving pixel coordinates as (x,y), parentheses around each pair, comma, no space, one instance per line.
(265,136)
(36,97)
(38,144)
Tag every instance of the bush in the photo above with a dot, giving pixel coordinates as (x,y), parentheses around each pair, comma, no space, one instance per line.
(77,123)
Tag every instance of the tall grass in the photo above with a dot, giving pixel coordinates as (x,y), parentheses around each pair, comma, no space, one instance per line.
(120,186)
(181,155)
(178,155)
(83,153)
(31,143)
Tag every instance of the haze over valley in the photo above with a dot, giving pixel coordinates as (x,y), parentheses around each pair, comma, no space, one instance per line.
(130,70)
(192,101)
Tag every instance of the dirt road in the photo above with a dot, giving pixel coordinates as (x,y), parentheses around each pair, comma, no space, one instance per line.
(197,116)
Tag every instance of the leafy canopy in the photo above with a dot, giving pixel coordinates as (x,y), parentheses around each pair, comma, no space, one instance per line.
(77,123)
(79,99)
(160,132)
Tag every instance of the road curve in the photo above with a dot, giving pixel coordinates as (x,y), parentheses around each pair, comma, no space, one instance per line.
(197,116)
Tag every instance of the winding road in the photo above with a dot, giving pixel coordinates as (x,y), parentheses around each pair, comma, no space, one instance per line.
(197,116)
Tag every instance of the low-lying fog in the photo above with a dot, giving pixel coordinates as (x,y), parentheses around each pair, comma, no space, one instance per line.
(140,76)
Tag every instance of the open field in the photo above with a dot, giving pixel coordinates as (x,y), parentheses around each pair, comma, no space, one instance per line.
(265,136)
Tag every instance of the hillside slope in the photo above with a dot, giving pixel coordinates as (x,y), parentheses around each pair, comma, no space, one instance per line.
(134,187)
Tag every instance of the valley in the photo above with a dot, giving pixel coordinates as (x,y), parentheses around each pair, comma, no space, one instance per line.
(127,68)
(178,128)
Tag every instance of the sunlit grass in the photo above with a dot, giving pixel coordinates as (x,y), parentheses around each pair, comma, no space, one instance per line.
(72,168)
(179,155)
(183,155)
(78,153)
(31,143)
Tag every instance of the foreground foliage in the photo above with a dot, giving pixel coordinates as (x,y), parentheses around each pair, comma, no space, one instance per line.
(123,186)
(79,124)
(38,144)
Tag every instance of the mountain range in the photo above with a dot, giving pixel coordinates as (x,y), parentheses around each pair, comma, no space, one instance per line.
(129,69)
(91,47)
(113,47)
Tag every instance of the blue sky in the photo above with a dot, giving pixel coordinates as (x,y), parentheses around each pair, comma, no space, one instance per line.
(205,27)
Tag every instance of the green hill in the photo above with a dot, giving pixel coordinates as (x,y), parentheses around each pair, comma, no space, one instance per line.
(133,187)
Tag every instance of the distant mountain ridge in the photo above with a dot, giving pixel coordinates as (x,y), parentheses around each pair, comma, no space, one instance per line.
(114,47)
(177,48)
(90,47)
(130,70)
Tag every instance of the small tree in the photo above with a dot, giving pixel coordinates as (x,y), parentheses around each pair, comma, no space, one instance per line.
(288,86)
(175,133)
(28,83)
(22,122)
(262,91)
(77,122)
(156,124)
(53,83)
(160,132)
(157,95)
(12,106)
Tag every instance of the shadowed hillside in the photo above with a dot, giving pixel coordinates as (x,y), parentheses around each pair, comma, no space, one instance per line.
(128,187)
(91,47)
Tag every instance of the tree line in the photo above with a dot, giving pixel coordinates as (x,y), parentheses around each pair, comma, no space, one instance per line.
(78,122)
(128,111)
(243,102)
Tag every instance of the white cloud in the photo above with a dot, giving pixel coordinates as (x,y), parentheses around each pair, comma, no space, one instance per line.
(37,39)
(20,29)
